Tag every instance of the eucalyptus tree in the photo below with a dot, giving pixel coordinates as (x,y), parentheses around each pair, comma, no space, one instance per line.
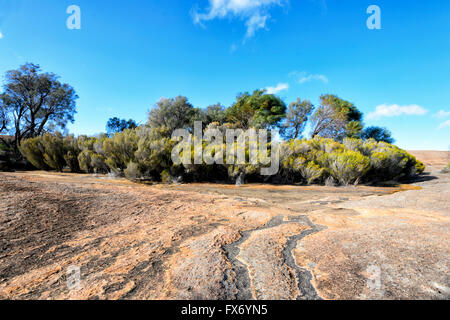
(34,102)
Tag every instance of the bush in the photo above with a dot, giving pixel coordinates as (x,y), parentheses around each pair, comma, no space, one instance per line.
(71,152)
(145,153)
(446,169)
(391,162)
(153,154)
(91,158)
(52,151)
(33,151)
(85,161)
(119,150)
(312,172)
(349,166)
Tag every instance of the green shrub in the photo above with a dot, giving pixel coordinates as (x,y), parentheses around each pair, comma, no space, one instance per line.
(391,162)
(53,145)
(91,158)
(119,150)
(33,151)
(349,166)
(71,152)
(98,163)
(419,167)
(312,172)
(446,169)
(85,161)
(145,153)
(153,154)
(52,151)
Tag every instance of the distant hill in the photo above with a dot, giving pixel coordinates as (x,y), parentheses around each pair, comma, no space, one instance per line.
(432,158)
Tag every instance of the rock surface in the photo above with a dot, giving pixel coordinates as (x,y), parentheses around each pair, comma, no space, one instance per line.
(205,241)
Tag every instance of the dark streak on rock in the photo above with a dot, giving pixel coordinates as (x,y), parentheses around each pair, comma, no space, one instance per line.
(240,272)
(304,277)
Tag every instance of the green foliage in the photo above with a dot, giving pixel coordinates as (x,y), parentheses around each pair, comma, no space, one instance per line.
(85,161)
(312,172)
(353,129)
(173,114)
(33,151)
(71,152)
(153,153)
(305,160)
(326,122)
(37,102)
(419,167)
(258,110)
(91,159)
(341,106)
(52,151)
(119,150)
(348,167)
(296,118)
(352,161)
(115,125)
(336,119)
(144,153)
(391,162)
(215,113)
(446,169)
(379,134)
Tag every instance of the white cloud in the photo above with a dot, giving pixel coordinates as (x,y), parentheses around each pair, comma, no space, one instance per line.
(304,77)
(311,77)
(442,114)
(1,35)
(255,22)
(254,12)
(278,88)
(393,110)
(444,124)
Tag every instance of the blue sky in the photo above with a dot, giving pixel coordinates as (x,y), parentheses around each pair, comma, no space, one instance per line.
(129,54)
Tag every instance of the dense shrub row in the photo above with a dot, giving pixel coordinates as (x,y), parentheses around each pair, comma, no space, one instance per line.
(145,154)
(351,162)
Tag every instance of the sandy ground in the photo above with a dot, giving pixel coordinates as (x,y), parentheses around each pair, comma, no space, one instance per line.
(205,241)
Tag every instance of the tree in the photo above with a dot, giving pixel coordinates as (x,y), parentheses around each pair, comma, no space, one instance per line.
(35,102)
(173,114)
(296,118)
(115,125)
(336,118)
(259,110)
(4,120)
(379,134)
(215,113)
(327,123)
(353,129)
